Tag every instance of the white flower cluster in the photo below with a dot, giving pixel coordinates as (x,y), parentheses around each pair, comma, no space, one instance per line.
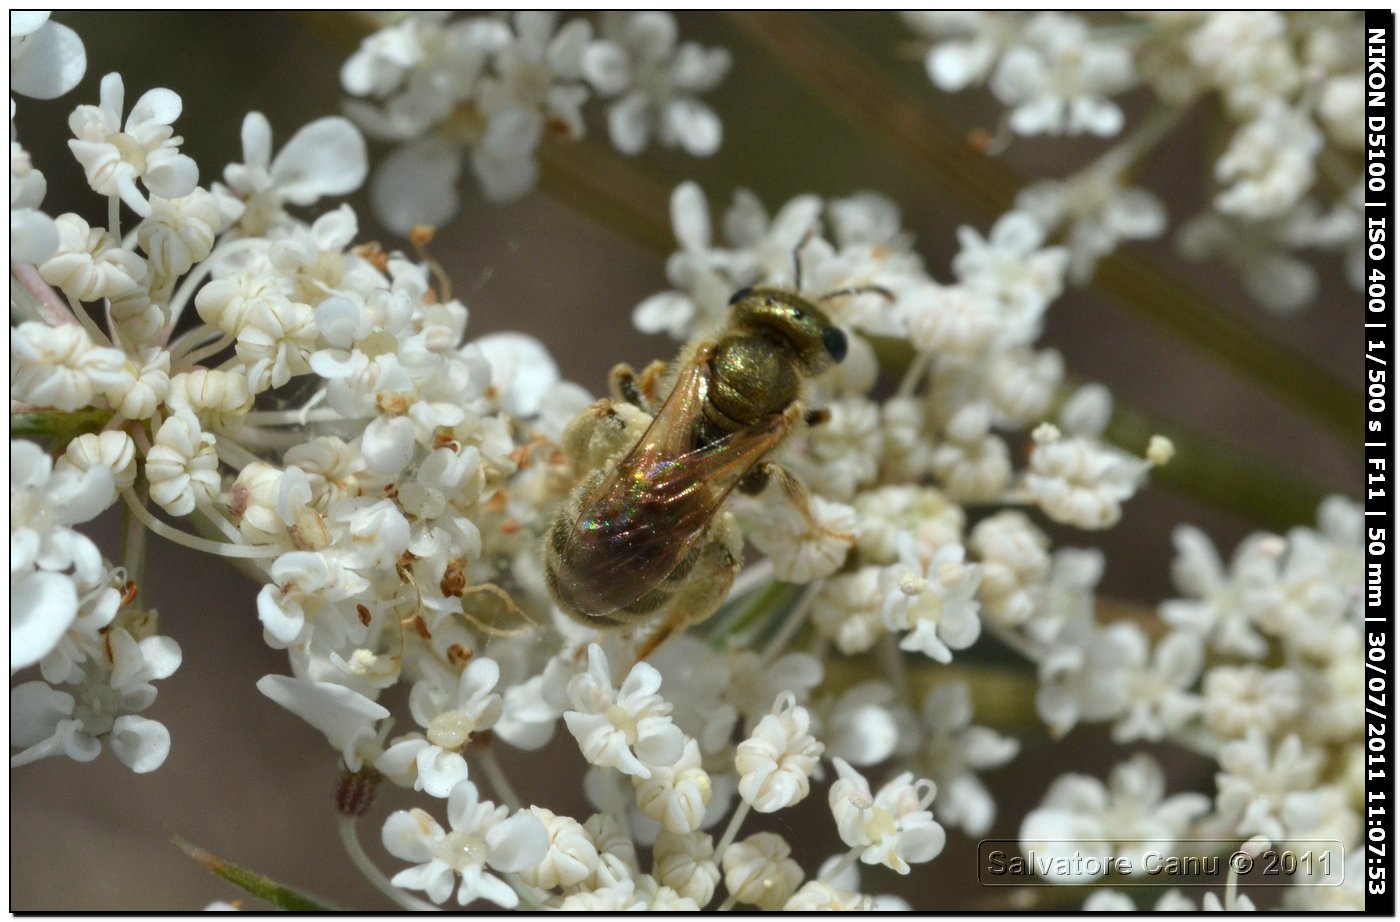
(1256,668)
(261,387)
(490,90)
(1291,93)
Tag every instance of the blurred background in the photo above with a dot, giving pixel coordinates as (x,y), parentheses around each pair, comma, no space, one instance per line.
(252,783)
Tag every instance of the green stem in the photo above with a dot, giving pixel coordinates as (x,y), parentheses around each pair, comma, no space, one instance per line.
(875,105)
(771,599)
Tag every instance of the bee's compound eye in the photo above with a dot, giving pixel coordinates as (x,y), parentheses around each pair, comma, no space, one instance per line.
(740,295)
(835,342)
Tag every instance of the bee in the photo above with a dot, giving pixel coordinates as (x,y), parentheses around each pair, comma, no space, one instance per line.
(644,537)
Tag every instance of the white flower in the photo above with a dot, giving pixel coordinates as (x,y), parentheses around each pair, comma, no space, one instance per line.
(1246,54)
(142,384)
(1079,481)
(816,896)
(804,543)
(847,609)
(115,156)
(685,862)
(275,343)
(676,795)
(1011,267)
(90,264)
(626,728)
(1058,78)
(934,599)
(324,158)
(180,232)
(1213,606)
(1098,210)
(953,751)
(218,399)
(1342,108)
(1159,698)
(45,597)
(759,871)
(655,83)
(571,857)
(482,836)
(972,463)
(621,896)
(308,584)
(1238,699)
(50,722)
(695,269)
(1130,812)
(388,444)
(33,234)
(661,898)
(976,40)
(865,723)
(413,761)
(776,762)
(522,371)
(888,512)
(617,853)
(113,450)
(452,708)
(345,716)
(47,59)
(954,320)
(1085,674)
(1014,559)
(1110,901)
(894,826)
(1268,166)
(182,466)
(1259,785)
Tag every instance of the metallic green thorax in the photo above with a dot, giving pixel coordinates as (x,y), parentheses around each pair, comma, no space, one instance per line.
(776,339)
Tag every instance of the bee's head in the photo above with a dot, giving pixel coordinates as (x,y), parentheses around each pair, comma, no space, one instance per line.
(804,326)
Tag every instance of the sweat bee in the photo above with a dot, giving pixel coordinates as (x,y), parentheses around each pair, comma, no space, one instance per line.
(644,536)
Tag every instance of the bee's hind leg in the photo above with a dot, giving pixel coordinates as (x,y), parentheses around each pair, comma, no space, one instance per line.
(706,584)
(626,386)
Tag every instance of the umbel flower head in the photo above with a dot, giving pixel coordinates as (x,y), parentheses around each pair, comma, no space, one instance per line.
(250,373)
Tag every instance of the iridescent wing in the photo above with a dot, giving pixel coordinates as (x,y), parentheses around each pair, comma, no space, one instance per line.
(646,515)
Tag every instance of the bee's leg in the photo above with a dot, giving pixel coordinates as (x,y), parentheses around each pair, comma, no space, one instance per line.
(622,385)
(792,487)
(640,390)
(706,585)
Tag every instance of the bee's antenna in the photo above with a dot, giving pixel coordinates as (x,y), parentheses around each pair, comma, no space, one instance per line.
(796,262)
(859,290)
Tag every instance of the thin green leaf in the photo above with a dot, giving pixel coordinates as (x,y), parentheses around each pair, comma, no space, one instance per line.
(260,886)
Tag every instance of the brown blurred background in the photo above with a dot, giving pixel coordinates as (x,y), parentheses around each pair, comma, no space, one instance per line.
(252,783)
